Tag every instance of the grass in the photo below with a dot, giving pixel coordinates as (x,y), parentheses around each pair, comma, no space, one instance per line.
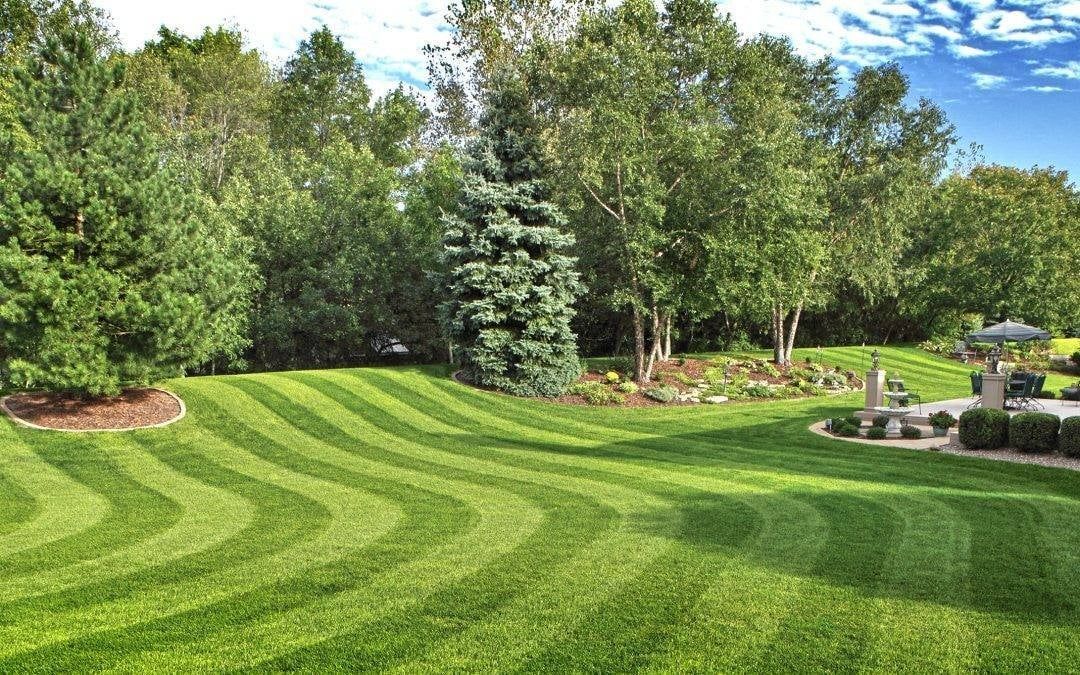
(1065,346)
(392,518)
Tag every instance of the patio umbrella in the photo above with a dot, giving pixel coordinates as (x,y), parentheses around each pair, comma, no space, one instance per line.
(1008,331)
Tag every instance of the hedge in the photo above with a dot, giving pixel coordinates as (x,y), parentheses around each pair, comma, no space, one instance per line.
(984,428)
(1034,432)
(1069,441)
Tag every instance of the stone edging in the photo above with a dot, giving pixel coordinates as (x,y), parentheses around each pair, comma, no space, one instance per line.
(18,420)
(928,443)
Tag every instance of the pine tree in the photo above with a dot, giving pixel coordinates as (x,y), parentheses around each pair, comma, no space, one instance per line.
(108,274)
(510,284)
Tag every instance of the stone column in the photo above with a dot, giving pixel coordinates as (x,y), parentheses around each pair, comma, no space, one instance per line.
(993,390)
(875,388)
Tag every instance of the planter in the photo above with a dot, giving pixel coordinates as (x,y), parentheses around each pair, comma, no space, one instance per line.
(941,432)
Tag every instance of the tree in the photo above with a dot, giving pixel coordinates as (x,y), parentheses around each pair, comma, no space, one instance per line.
(323,96)
(633,121)
(1001,242)
(511,286)
(105,263)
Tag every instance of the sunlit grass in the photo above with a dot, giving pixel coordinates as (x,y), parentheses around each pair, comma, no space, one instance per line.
(393,518)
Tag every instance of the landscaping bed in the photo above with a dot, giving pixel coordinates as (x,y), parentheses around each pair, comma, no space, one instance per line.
(688,381)
(132,409)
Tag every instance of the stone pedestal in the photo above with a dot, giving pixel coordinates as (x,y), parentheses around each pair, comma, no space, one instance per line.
(993,390)
(875,388)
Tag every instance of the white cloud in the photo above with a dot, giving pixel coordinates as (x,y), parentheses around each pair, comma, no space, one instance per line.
(988,81)
(969,52)
(1017,26)
(388,37)
(1042,89)
(1069,70)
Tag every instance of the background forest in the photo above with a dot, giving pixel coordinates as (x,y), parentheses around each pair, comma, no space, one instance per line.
(190,207)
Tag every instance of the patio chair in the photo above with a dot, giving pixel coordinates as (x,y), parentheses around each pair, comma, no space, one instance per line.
(1034,402)
(1020,391)
(913,396)
(976,389)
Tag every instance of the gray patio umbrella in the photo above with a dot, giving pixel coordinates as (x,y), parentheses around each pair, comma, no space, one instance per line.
(1008,331)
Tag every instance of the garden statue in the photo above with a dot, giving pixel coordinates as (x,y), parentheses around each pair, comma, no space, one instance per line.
(875,359)
(993,359)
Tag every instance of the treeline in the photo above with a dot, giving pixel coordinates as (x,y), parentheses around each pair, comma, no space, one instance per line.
(191,207)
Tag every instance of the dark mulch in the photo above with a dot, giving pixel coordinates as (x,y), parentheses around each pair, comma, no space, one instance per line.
(133,408)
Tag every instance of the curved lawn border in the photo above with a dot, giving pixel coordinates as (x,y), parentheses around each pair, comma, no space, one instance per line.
(18,420)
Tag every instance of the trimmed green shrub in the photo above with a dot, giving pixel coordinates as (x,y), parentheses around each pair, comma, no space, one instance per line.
(1034,432)
(852,421)
(612,377)
(758,390)
(984,428)
(909,432)
(627,387)
(663,394)
(880,421)
(1069,440)
(846,430)
(876,433)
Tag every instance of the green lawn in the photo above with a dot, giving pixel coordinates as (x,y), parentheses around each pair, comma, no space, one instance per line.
(1065,345)
(392,518)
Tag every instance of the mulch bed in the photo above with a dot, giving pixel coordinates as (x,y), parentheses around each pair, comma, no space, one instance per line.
(132,409)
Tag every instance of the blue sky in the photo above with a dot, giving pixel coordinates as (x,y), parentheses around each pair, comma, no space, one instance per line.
(1006,72)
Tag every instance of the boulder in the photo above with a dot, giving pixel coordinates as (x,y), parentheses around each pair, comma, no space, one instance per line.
(716,399)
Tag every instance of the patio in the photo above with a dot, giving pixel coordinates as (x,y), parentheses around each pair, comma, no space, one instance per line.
(956,406)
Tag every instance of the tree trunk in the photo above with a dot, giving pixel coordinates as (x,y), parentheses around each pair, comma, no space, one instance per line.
(657,350)
(778,334)
(667,338)
(639,346)
(791,332)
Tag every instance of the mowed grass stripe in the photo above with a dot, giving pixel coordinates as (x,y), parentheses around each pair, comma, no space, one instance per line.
(335,613)
(136,512)
(62,506)
(507,534)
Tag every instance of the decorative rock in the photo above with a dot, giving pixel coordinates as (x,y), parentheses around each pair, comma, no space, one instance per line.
(716,399)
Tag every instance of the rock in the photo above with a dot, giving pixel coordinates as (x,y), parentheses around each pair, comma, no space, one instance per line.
(716,399)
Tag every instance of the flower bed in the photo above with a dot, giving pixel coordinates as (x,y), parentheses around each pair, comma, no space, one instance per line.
(686,381)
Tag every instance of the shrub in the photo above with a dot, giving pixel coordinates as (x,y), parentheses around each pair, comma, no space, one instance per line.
(683,378)
(758,390)
(880,421)
(1034,432)
(597,393)
(846,430)
(767,368)
(852,421)
(612,377)
(811,389)
(1076,358)
(787,392)
(663,394)
(942,420)
(984,428)
(1069,440)
(1047,393)
(876,433)
(910,432)
(627,387)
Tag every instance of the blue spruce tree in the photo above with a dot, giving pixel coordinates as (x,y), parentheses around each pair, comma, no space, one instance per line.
(511,286)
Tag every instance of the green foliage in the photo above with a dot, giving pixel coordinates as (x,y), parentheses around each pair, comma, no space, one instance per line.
(1034,432)
(984,428)
(851,421)
(510,284)
(596,393)
(684,379)
(876,433)
(881,421)
(663,394)
(612,377)
(1069,440)
(846,430)
(627,387)
(910,432)
(758,390)
(942,419)
(109,267)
